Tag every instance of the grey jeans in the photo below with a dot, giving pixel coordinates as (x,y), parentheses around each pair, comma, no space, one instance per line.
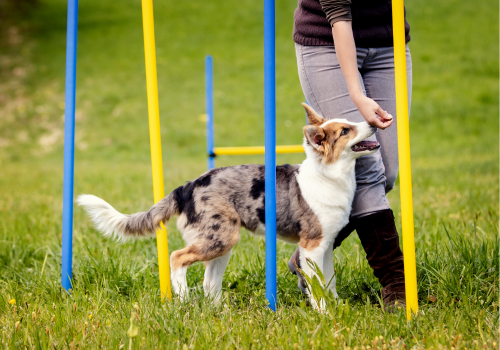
(326,91)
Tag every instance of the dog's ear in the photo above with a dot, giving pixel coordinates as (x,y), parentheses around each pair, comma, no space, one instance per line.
(312,116)
(315,135)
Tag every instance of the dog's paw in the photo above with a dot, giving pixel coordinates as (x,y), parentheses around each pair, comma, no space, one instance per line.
(318,306)
(213,297)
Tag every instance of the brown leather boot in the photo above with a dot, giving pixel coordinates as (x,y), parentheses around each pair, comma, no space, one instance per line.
(380,240)
(294,261)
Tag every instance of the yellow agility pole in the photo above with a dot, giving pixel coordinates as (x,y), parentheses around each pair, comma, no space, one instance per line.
(230,151)
(398,25)
(155,141)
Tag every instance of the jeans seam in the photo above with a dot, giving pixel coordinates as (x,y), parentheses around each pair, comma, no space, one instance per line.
(364,60)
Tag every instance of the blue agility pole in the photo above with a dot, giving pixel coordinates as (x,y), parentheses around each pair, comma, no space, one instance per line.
(270,149)
(209,101)
(69,145)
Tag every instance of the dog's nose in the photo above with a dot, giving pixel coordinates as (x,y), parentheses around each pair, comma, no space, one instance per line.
(373,129)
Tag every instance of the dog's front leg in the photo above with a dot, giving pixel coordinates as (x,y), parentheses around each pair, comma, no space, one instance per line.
(329,272)
(214,272)
(315,256)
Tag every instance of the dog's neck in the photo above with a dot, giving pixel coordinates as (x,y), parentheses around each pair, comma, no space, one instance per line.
(339,172)
(328,189)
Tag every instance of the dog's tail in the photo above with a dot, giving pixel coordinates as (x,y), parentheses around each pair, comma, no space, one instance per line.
(123,227)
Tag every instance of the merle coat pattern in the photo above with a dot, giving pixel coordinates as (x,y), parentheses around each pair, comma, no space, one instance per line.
(313,201)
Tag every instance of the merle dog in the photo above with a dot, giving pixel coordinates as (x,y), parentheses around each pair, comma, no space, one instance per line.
(313,202)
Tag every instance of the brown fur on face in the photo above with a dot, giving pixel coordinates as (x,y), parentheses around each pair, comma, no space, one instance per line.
(337,136)
(330,140)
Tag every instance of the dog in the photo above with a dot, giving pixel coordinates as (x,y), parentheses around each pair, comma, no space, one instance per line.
(313,203)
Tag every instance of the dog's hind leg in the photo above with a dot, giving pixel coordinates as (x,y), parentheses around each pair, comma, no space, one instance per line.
(214,272)
(180,260)
(213,246)
(218,243)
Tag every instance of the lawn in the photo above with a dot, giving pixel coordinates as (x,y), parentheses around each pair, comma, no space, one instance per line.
(455,152)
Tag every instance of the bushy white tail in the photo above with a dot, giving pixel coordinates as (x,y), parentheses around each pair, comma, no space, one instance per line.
(121,226)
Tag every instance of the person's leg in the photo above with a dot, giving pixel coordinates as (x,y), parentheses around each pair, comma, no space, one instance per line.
(377,231)
(380,240)
(326,91)
(325,88)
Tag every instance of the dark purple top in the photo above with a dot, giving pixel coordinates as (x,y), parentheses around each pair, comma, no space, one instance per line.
(371,22)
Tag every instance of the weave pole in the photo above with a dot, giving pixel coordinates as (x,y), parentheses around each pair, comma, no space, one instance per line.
(69,145)
(398,24)
(155,141)
(270,150)
(209,102)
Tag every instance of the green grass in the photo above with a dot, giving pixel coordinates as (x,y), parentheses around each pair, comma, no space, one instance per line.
(454,135)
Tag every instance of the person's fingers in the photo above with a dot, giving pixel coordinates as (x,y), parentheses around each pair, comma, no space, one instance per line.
(381,112)
(376,122)
(387,124)
(380,123)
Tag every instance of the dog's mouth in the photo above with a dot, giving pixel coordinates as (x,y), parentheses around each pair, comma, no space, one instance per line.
(365,146)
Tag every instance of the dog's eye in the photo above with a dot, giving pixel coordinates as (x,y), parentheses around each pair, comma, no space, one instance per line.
(344,131)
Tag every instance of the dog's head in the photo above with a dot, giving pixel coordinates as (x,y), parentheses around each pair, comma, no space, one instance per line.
(331,140)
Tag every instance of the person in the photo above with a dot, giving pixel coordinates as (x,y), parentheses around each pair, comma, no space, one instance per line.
(345,62)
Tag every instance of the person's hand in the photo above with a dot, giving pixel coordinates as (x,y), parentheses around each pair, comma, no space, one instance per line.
(372,112)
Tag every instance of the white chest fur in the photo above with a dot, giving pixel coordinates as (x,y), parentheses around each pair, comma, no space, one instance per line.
(329,191)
